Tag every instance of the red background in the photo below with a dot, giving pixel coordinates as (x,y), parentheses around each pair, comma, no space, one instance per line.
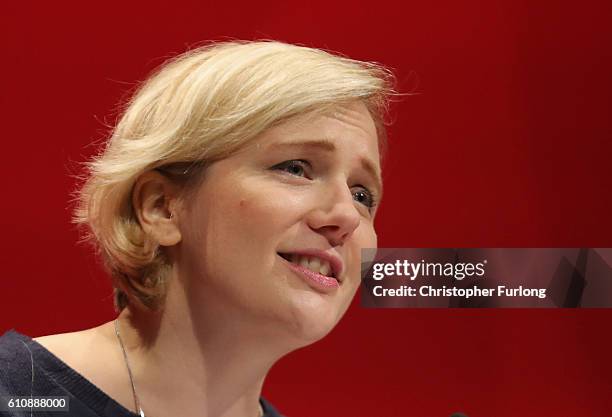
(507,142)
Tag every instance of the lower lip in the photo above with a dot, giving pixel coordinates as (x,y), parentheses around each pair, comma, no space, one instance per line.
(316,280)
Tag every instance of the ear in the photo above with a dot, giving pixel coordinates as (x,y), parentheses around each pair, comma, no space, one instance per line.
(155,201)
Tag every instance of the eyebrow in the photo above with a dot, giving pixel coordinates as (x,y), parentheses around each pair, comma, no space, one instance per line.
(328,146)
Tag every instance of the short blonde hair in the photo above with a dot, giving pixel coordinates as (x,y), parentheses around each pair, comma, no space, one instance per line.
(199,107)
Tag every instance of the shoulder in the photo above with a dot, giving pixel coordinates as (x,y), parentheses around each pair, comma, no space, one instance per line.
(15,362)
(89,352)
(14,350)
(18,350)
(74,363)
(68,346)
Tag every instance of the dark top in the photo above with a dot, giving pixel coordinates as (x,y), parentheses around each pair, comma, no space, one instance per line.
(20,355)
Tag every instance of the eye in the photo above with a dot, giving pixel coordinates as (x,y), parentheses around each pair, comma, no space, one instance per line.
(364,196)
(295,167)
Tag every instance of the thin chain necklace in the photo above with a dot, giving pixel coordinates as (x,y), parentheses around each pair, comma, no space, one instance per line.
(127,365)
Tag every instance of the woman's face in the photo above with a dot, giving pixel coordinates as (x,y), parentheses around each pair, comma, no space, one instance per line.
(273,234)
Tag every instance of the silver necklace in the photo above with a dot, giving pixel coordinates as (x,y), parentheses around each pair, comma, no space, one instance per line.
(127,365)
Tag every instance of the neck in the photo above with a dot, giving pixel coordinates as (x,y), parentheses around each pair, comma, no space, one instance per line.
(195,364)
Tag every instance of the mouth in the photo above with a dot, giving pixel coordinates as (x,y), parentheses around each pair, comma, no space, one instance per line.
(317,264)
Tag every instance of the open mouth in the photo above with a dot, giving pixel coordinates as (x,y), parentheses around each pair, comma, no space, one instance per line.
(312,263)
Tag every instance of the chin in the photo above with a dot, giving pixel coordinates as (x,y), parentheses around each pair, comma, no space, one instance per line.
(310,322)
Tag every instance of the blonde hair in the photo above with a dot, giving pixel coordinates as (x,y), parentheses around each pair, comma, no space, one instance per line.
(199,107)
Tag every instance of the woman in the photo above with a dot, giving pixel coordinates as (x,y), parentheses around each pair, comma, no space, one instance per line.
(230,206)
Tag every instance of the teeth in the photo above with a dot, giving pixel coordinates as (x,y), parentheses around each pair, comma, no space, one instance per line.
(315,264)
(303,261)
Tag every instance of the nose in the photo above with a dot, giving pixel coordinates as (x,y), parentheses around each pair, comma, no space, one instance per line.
(335,216)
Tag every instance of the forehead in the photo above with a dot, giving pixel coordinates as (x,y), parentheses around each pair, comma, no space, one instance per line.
(348,128)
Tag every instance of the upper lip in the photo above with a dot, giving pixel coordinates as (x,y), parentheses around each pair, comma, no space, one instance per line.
(335,262)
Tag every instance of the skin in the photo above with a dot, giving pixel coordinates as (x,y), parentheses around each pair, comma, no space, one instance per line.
(233,307)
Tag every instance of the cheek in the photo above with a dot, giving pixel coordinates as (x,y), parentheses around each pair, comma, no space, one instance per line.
(268,207)
(371,238)
(364,237)
(231,241)
(250,217)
